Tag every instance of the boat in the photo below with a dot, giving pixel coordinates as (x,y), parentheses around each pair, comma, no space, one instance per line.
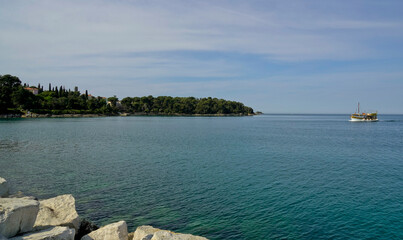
(364,117)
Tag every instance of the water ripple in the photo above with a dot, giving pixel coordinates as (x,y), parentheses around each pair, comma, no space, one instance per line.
(265,177)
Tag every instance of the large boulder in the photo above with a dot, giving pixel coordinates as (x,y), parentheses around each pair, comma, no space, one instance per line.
(57,211)
(17,215)
(53,233)
(114,231)
(144,232)
(151,233)
(4,189)
(168,235)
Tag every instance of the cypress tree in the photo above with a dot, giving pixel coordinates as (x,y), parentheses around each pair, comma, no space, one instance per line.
(57,91)
(50,87)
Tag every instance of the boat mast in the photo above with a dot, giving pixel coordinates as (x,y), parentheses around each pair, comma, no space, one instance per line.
(358,107)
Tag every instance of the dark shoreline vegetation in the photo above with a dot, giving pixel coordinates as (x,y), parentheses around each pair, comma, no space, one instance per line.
(18,99)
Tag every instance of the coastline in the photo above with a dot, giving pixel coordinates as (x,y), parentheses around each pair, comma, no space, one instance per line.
(36,115)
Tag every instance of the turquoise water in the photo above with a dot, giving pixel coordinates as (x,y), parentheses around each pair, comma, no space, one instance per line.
(261,177)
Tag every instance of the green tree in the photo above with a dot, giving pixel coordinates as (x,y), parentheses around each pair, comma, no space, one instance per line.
(23,99)
(113,100)
(8,84)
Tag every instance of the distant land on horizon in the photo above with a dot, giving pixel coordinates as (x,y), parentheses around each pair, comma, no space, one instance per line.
(17,98)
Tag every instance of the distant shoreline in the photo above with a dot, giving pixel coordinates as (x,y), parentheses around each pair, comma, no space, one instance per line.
(36,115)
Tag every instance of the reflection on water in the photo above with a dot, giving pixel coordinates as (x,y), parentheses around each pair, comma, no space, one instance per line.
(12,145)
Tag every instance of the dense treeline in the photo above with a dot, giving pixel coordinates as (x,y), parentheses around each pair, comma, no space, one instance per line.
(183,105)
(15,97)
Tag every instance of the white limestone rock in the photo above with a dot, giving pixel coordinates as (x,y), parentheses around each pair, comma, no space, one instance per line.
(114,231)
(17,215)
(53,233)
(151,233)
(4,189)
(144,232)
(168,235)
(57,211)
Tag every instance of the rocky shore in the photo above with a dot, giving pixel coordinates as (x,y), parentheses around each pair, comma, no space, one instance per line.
(27,218)
(11,115)
(36,115)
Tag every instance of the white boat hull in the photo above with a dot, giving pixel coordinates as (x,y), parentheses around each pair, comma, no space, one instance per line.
(363,120)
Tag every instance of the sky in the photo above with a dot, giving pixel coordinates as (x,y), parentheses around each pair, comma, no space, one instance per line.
(275,56)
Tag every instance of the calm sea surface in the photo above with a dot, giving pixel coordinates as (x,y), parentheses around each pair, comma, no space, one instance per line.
(261,177)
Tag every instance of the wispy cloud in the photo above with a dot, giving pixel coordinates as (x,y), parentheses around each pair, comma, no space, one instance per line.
(74,27)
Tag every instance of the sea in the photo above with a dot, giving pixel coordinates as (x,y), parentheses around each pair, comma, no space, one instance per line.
(258,177)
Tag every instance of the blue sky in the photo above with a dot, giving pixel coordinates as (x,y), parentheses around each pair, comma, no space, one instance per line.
(275,56)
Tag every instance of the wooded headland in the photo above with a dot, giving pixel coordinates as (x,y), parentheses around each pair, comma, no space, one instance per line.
(18,98)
